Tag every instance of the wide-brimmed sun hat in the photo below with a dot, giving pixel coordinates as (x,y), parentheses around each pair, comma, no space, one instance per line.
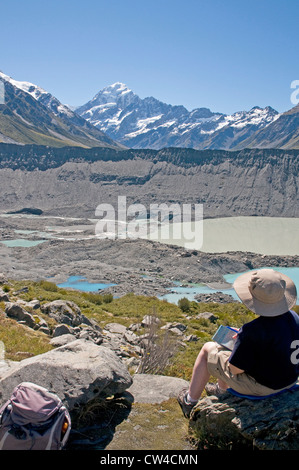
(266,292)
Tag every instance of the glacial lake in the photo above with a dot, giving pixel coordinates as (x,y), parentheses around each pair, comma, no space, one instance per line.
(264,235)
(80,283)
(21,242)
(190,291)
(177,292)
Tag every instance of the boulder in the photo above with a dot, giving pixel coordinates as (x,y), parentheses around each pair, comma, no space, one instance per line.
(62,340)
(190,338)
(4,297)
(115,328)
(232,422)
(131,337)
(24,290)
(91,334)
(147,388)
(16,311)
(149,320)
(35,304)
(7,366)
(77,372)
(65,311)
(63,329)
(207,316)
(175,327)
(32,304)
(3,279)
(42,325)
(218,297)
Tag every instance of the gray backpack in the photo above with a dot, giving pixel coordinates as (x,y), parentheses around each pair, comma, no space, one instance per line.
(33,419)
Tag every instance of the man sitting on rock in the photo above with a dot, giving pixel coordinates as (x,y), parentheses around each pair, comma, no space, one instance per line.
(264,359)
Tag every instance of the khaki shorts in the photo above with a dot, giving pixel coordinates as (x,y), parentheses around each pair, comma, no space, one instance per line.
(242,383)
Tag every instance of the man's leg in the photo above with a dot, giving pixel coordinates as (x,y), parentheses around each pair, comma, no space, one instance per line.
(200,374)
(188,398)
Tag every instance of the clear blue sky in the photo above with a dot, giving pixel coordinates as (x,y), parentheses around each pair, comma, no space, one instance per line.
(227,55)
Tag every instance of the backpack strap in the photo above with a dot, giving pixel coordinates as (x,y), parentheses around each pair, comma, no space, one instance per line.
(4,439)
(3,418)
(6,409)
(67,421)
(63,412)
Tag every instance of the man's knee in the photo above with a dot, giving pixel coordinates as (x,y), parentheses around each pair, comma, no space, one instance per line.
(207,347)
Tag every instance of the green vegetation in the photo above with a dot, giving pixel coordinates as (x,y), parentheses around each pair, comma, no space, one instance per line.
(153,427)
(22,342)
(184,304)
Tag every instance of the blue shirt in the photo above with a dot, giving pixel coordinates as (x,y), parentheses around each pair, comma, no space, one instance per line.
(266,350)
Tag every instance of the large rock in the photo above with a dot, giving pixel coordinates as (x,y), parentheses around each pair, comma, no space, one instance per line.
(33,304)
(4,297)
(65,311)
(207,316)
(3,279)
(16,311)
(76,372)
(218,297)
(233,423)
(63,329)
(148,388)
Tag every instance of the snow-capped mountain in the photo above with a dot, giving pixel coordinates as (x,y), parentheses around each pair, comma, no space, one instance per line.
(282,133)
(32,115)
(116,117)
(150,123)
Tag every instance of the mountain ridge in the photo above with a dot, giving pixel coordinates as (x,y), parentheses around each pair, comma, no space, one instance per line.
(150,123)
(30,115)
(118,118)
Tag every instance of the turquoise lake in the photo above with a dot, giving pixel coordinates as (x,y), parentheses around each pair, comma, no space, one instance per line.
(190,292)
(21,242)
(81,283)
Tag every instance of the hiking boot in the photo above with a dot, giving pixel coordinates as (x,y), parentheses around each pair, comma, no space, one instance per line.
(214,389)
(186,407)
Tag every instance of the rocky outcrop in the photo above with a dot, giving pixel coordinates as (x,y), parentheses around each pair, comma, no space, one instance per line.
(67,315)
(218,297)
(63,322)
(16,311)
(3,296)
(78,372)
(147,388)
(209,316)
(65,311)
(231,422)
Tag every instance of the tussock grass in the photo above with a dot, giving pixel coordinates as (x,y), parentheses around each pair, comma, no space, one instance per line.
(21,342)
